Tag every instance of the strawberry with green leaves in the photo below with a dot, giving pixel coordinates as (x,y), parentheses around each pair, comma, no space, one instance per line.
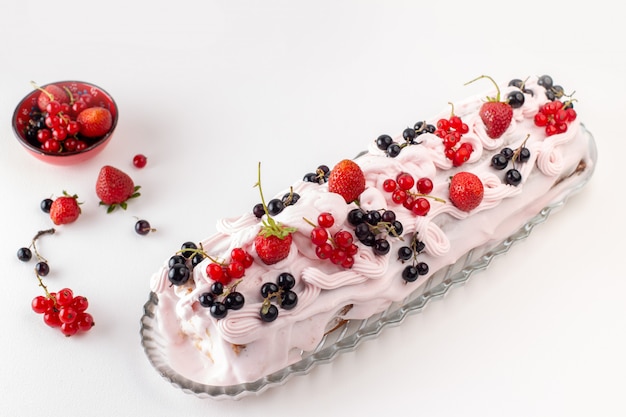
(114,188)
(65,209)
(347,179)
(495,114)
(466,191)
(273,242)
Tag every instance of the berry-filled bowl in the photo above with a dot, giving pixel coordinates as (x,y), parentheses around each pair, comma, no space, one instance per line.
(65,122)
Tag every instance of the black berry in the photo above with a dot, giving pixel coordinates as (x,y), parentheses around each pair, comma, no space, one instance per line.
(499,161)
(24,254)
(288,300)
(178,274)
(513,177)
(45,205)
(234,300)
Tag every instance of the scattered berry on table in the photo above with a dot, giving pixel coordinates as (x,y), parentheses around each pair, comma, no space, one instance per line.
(140,161)
(114,188)
(142,227)
(65,209)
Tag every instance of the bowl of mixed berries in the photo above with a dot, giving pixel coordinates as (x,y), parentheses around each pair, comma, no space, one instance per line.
(65,122)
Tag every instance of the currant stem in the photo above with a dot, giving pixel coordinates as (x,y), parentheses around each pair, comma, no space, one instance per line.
(49,94)
(492,80)
(34,244)
(45,289)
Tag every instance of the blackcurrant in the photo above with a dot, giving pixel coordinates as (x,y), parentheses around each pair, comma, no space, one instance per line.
(356,217)
(515,99)
(419,246)
(288,300)
(24,254)
(206,299)
(422,268)
(405,253)
(196,259)
(388,216)
(234,300)
(42,268)
(258,210)
(45,205)
(499,161)
(408,134)
(381,247)
(178,274)
(275,206)
(290,199)
(310,177)
(188,249)
(524,154)
(373,217)
(268,288)
(368,239)
(269,313)
(397,228)
(383,142)
(361,230)
(516,82)
(286,281)
(507,152)
(513,177)
(410,273)
(393,150)
(546,81)
(217,288)
(176,259)
(218,310)
(143,227)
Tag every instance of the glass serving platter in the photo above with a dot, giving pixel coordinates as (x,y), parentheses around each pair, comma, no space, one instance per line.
(352,333)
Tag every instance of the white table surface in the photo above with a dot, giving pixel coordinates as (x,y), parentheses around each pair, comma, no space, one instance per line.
(208,89)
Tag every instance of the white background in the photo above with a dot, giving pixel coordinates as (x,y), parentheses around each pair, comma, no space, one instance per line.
(206,90)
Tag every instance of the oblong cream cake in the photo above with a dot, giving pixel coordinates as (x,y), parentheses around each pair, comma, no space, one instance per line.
(345,243)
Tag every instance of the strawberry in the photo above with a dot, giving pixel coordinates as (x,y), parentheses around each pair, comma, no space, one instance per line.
(114,188)
(466,191)
(271,248)
(49,93)
(347,180)
(94,121)
(273,242)
(495,114)
(65,209)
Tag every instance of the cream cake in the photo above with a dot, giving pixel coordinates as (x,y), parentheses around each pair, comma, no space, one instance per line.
(344,243)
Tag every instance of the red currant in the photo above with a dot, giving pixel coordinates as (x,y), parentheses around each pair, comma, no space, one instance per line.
(51,317)
(324,251)
(41,304)
(399,196)
(64,297)
(338,256)
(67,314)
(238,254)
(326,220)
(84,322)
(140,161)
(51,145)
(389,185)
(79,303)
(405,181)
(424,185)
(319,236)
(343,239)
(215,271)
(235,269)
(69,329)
(420,206)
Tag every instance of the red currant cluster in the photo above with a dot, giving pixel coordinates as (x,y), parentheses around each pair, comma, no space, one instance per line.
(224,273)
(416,202)
(64,310)
(339,249)
(555,116)
(451,131)
(61,309)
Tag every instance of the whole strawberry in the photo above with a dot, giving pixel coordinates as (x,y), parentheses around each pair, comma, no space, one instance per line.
(50,93)
(114,188)
(466,191)
(347,180)
(94,122)
(273,242)
(495,114)
(65,209)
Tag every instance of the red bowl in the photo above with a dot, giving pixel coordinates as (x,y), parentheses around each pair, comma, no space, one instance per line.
(26,107)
